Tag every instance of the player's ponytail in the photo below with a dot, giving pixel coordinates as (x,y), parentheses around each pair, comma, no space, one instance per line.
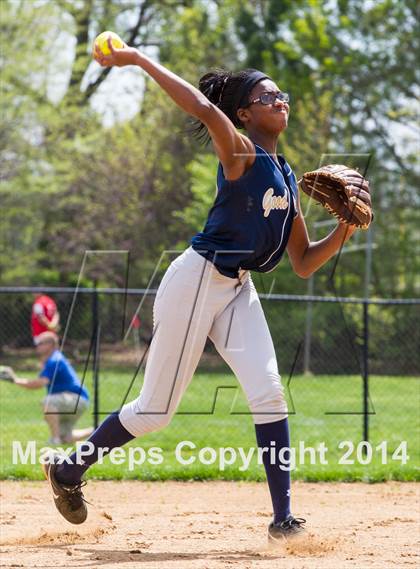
(213,84)
(225,89)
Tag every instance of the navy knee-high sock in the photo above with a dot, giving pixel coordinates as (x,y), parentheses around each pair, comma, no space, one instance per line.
(276,435)
(109,434)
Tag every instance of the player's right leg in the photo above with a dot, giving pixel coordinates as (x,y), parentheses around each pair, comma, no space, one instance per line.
(188,298)
(67,408)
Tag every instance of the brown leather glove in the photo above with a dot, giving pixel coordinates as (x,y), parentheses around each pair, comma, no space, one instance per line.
(344,192)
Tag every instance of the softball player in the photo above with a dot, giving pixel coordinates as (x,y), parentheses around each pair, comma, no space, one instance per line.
(208,291)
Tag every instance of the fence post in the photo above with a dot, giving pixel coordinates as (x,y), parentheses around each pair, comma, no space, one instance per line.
(308,329)
(365,370)
(96,335)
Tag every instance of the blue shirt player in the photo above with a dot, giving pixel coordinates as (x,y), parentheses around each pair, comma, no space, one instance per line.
(66,398)
(207,292)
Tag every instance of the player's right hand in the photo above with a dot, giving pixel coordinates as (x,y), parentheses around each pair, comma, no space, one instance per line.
(119,57)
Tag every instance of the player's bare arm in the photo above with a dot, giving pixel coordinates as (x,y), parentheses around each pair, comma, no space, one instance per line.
(31,383)
(308,256)
(234,150)
(43,320)
(50,324)
(55,321)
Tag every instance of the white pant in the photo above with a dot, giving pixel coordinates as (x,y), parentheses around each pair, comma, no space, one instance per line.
(193,302)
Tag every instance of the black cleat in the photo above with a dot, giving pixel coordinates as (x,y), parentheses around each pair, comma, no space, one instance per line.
(290,527)
(68,499)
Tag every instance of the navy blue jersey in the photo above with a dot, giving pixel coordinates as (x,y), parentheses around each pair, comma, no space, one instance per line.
(250,222)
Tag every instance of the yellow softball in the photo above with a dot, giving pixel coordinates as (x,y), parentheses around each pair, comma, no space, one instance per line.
(102,42)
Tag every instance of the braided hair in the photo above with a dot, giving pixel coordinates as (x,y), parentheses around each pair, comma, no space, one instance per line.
(226,90)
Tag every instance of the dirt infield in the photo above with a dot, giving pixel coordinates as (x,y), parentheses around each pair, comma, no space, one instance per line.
(211,525)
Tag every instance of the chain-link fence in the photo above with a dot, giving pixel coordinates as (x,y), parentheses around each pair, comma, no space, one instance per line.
(321,335)
(349,366)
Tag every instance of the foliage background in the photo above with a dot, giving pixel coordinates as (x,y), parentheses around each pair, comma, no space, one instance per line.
(102,159)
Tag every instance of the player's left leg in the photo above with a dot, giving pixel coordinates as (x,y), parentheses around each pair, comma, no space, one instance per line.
(62,411)
(72,408)
(242,337)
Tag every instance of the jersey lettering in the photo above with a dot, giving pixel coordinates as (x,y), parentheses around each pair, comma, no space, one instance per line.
(271,202)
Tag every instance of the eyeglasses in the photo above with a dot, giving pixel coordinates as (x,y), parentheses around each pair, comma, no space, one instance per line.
(268,98)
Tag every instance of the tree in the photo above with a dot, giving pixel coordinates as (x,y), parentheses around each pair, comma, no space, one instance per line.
(71,184)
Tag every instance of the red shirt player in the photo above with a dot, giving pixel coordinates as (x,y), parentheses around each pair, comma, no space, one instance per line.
(45,316)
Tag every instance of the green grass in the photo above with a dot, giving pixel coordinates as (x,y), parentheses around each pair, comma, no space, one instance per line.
(394,400)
